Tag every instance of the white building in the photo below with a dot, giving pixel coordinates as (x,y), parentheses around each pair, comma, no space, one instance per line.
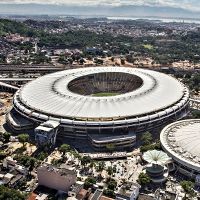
(128,191)
(180,140)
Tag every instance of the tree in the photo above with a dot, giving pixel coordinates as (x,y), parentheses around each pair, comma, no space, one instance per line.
(89,182)
(112,184)
(143,179)
(109,170)
(23,138)
(64,148)
(6,136)
(147,138)
(196,114)
(187,187)
(42,155)
(27,161)
(92,164)
(109,193)
(101,166)
(32,163)
(85,160)
(7,193)
(76,155)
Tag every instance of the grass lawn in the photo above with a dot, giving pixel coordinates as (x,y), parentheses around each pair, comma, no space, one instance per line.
(105,94)
(148,46)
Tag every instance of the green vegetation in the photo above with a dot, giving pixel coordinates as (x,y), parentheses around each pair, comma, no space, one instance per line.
(26,160)
(23,138)
(195,114)
(64,148)
(9,26)
(100,166)
(6,137)
(85,160)
(111,186)
(105,94)
(40,58)
(10,194)
(147,138)
(188,188)
(143,179)
(109,193)
(148,46)
(110,171)
(193,82)
(42,155)
(89,182)
(148,144)
(162,50)
(20,150)
(152,146)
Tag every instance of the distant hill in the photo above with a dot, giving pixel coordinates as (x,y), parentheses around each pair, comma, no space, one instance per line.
(131,11)
(9,26)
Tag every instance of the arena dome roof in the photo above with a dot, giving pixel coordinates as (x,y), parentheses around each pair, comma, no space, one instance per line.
(136,92)
(181,141)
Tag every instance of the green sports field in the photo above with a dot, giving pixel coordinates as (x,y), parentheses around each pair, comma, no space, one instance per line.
(105,94)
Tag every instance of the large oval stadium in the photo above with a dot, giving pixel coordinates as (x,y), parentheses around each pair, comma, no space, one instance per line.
(105,104)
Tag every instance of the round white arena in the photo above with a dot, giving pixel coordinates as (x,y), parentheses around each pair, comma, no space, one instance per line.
(181,141)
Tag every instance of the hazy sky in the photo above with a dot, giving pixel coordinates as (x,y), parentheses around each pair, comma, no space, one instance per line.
(186,4)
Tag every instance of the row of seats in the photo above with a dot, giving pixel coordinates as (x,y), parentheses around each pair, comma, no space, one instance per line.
(103,82)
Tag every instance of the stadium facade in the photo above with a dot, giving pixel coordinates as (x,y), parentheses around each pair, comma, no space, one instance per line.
(106,105)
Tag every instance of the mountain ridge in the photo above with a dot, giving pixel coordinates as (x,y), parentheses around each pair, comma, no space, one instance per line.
(125,11)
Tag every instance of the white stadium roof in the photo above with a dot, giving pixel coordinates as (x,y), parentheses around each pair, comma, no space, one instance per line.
(181,141)
(50,95)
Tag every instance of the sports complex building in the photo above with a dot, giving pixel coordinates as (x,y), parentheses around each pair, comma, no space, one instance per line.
(181,141)
(105,105)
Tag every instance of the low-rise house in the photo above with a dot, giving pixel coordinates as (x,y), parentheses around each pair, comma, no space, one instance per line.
(82,194)
(9,161)
(105,198)
(34,196)
(128,191)
(55,178)
(165,195)
(97,194)
(21,169)
(16,180)
(145,197)
(75,189)
(7,178)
